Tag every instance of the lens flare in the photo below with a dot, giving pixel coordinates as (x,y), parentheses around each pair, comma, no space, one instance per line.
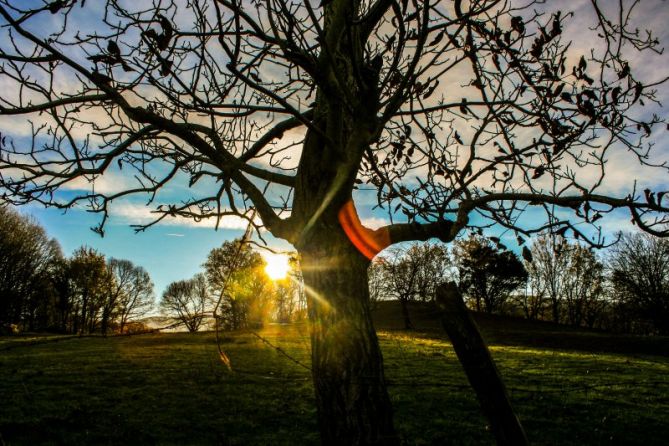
(277,265)
(367,241)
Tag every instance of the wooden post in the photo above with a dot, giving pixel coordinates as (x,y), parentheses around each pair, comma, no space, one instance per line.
(479,366)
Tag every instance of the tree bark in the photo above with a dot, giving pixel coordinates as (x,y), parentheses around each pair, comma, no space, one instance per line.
(347,365)
(479,367)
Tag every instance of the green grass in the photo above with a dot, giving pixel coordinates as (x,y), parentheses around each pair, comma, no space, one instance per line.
(173,389)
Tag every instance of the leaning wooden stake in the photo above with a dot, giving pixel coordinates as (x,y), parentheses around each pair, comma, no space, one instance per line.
(479,366)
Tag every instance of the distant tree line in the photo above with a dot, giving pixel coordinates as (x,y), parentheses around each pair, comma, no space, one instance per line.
(235,289)
(42,290)
(626,289)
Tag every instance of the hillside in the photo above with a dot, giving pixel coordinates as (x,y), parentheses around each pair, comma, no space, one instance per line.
(568,386)
(506,330)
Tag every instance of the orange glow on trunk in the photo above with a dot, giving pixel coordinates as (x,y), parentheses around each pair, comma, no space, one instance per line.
(367,241)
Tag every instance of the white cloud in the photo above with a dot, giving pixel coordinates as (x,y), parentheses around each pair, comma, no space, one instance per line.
(109,183)
(374,222)
(132,213)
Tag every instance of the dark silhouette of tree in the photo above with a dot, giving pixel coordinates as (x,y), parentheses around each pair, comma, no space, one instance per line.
(448,110)
(89,280)
(413,274)
(28,259)
(129,293)
(585,298)
(487,274)
(548,271)
(188,301)
(62,293)
(639,269)
(118,273)
(569,277)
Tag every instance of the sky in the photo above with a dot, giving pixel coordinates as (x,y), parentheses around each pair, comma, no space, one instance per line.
(167,252)
(176,249)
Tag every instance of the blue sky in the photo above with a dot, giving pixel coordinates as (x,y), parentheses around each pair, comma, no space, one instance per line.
(168,253)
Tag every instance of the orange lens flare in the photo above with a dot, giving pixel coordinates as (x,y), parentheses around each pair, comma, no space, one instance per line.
(367,241)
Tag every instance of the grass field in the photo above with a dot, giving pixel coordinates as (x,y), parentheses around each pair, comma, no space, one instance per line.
(569,387)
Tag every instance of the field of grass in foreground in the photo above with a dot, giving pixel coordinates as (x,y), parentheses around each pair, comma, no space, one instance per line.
(173,389)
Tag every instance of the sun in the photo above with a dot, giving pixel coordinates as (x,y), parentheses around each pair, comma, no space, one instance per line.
(278,265)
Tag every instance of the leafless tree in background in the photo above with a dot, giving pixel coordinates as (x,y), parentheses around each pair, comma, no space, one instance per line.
(377,281)
(455,114)
(412,274)
(567,278)
(130,292)
(639,267)
(548,271)
(188,301)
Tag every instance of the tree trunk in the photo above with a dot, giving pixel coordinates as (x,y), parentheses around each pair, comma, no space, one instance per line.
(347,366)
(404,302)
(104,324)
(123,320)
(479,367)
(555,306)
(235,314)
(84,308)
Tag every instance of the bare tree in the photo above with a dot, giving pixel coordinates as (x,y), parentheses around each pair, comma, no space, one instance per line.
(639,268)
(448,110)
(130,293)
(548,271)
(377,283)
(531,300)
(584,290)
(568,276)
(119,273)
(414,273)
(188,301)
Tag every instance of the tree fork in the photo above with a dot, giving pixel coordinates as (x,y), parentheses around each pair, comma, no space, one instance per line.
(479,366)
